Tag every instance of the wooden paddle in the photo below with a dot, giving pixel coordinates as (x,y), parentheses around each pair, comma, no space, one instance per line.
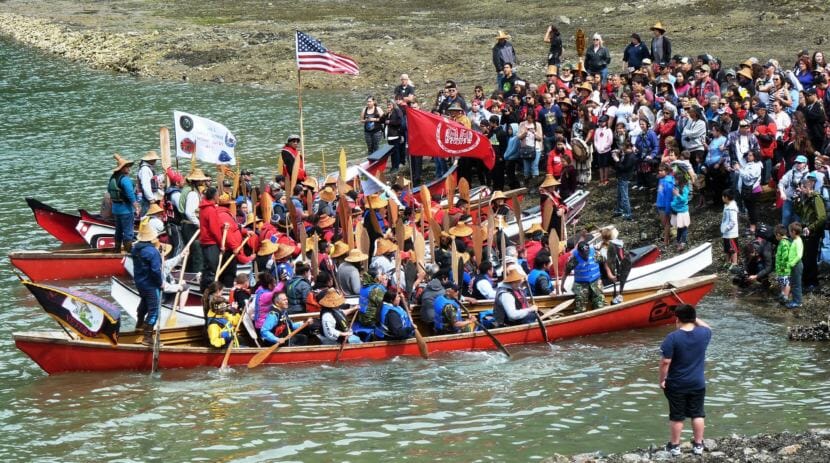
(164,144)
(171,320)
(478,241)
(235,187)
(491,234)
(257,359)
(454,264)
(464,191)
(315,256)
(486,331)
(227,356)
(450,185)
(553,244)
(221,251)
(426,202)
(364,240)
(547,214)
(235,252)
(343,344)
(517,211)
(422,344)
(420,247)
(559,308)
(358,239)
(157,329)
(538,319)
(302,238)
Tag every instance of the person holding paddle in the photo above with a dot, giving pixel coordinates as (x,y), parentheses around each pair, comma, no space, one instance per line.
(277,324)
(148,278)
(124,203)
(333,318)
(511,307)
(222,323)
(447,318)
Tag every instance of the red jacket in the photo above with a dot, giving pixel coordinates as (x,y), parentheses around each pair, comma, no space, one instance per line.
(210,229)
(555,162)
(766,131)
(665,129)
(531,249)
(702,91)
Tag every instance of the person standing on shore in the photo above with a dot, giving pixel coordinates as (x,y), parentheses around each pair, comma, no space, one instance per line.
(682,376)
(503,53)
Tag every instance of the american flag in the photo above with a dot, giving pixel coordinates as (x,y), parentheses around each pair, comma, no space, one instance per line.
(313,56)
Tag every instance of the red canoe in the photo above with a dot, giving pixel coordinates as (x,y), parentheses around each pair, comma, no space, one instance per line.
(59,224)
(68,265)
(54,352)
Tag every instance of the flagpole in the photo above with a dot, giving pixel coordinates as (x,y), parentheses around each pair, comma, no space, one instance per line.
(300,102)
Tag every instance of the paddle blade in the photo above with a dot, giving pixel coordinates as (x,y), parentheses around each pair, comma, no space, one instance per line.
(295,173)
(341,164)
(435,233)
(164,145)
(358,239)
(446,220)
(517,211)
(450,190)
(454,264)
(364,240)
(491,229)
(464,190)
(426,202)
(420,247)
(478,242)
(547,214)
(393,212)
(315,255)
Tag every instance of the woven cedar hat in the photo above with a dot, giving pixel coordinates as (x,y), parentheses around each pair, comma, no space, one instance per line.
(384,246)
(375,201)
(146,232)
(550,181)
(498,194)
(197,175)
(121,162)
(658,26)
(283,252)
(325,221)
(327,194)
(535,228)
(331,299)
(151,156)
(340,249)
(513,276)
(267,248)
(154,209)
(462,229)
(502,36)
(356,256)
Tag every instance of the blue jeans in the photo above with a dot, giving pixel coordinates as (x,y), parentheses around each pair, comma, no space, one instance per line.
(440,167)
(795,282)
(499,80)
(788,214)
(623,204)
(604,74)
(531,166)
(148,308)
(682,235)
(124,229)
(766,172)
(399,153)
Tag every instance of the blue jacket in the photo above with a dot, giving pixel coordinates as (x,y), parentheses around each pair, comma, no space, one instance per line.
(146,266)
(441,302)
(647,145)
(635,54)
(273,319)
(128,190)
(586,270)
(680,203)
(664,194)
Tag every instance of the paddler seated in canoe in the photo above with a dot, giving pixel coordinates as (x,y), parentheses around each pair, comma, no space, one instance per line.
(498,205)
(394,322)
(511,305)
(384,259)
(539,278)
(349,267)
(585,262)
(277,324)
(374,288)
(322,283)
(325,202)
(298,288)
(264,292)
(222,324)
(280,265)
(241,291)
(334,319)
(448,318)
(483,286)
(148,278)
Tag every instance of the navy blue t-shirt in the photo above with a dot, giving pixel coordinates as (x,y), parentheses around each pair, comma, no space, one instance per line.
(687,351)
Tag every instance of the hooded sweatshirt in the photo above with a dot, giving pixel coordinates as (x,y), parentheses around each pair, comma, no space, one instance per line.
(209,223)
(431,292)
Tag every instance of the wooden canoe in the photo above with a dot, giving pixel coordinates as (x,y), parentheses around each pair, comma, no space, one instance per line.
(55,352)
(68,264)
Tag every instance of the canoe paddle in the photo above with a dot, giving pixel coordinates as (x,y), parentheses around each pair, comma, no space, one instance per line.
(221,251)
(230,343)
(486,331)
(399,233)
(559,308)
(345,339)
(538,319)
(264,354)
(171,320)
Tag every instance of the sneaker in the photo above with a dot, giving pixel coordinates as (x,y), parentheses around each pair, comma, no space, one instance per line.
(793,305)
(617,300)
(697,448)
(673,449)
(616,214)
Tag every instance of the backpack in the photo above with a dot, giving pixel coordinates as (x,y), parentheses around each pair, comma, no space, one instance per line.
(765,232)
(619,261)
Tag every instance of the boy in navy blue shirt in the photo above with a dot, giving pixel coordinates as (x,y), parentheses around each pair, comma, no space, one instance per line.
(681,376)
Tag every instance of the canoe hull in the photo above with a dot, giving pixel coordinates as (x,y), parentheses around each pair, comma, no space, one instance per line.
(57,354)
(58,224)
(46,266)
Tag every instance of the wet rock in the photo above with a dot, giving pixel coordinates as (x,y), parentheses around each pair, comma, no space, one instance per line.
(587,457)
(633,458)
(565,20)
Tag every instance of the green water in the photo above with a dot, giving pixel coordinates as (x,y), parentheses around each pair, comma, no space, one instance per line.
(59,126)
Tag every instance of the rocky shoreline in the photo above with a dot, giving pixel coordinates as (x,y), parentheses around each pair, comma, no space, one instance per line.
(808,447)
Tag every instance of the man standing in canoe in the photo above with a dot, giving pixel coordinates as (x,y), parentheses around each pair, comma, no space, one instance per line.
(148,184)
(210,237)
(148,279)
(585,263)
(289,155)
(188,205)
(681,376)
(124,203)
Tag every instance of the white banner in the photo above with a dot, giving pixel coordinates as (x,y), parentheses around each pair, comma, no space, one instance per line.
(371,185)
(211,141)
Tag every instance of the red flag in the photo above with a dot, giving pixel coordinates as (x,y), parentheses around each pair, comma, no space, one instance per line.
(432,135)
